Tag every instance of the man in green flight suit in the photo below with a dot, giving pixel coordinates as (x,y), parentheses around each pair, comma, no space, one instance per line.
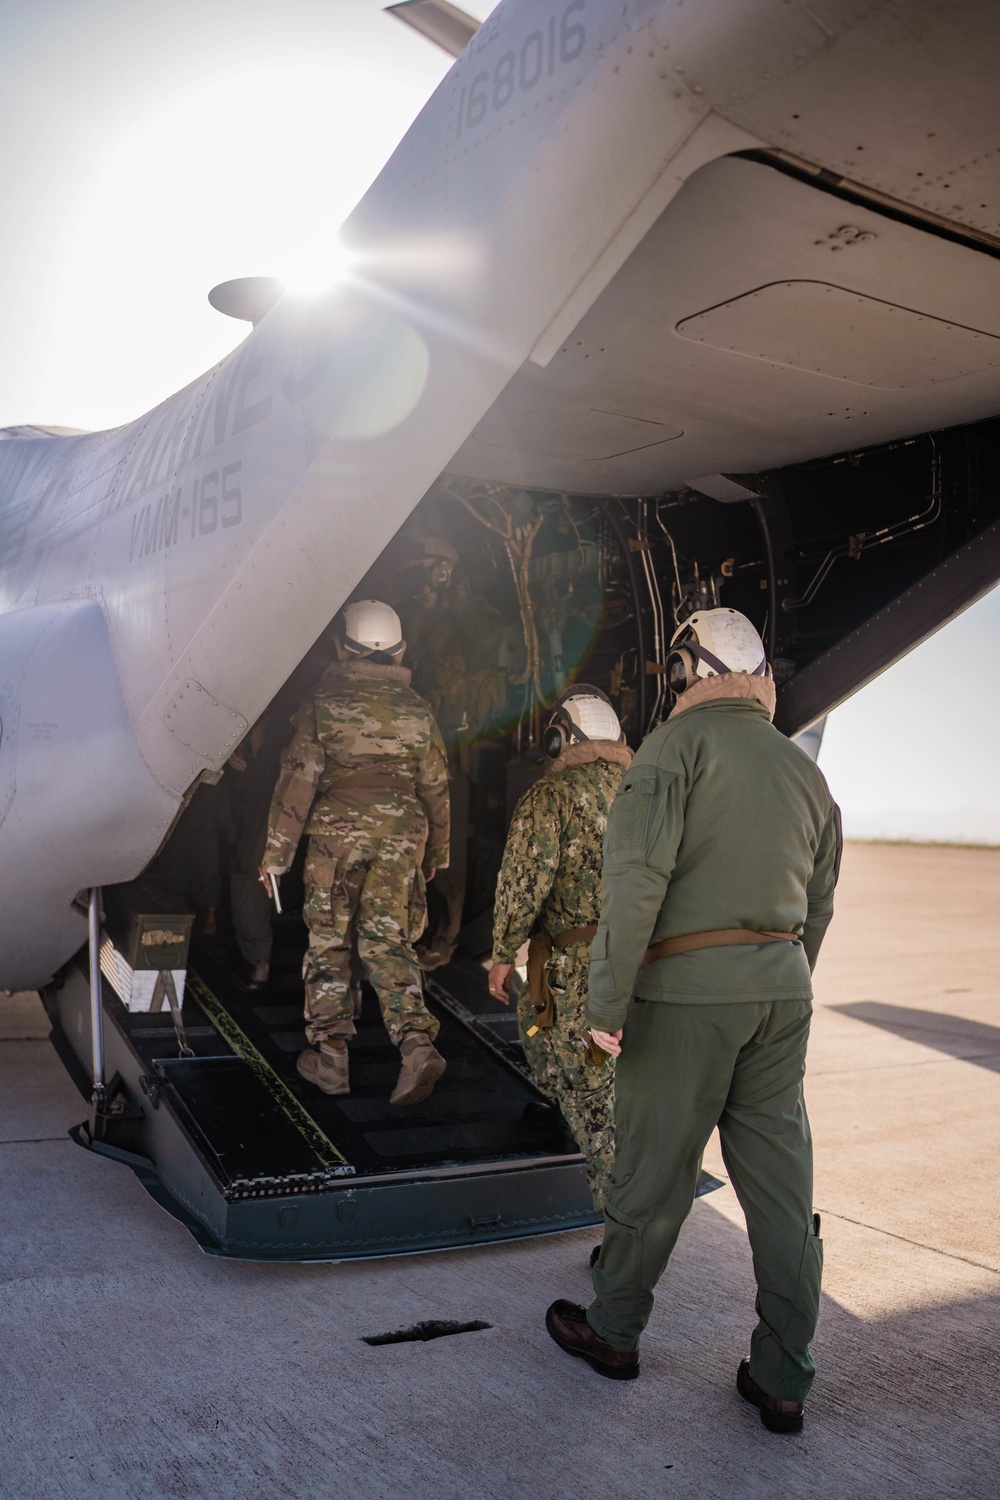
(550,886)
(365,777)
(721,856)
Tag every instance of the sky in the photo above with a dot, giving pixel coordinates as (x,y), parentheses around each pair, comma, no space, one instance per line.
(914,754)
(150,150)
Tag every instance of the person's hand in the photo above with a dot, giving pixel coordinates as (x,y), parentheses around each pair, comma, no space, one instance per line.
(608,1041)
(428,871)
(266,871)
(500,982)
(237,761)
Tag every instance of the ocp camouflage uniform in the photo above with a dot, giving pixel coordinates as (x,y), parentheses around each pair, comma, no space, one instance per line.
(551,876)
(365,777)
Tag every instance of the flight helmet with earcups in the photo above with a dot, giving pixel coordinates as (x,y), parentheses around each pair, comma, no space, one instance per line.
(580,714)
(369,627)
(712,642)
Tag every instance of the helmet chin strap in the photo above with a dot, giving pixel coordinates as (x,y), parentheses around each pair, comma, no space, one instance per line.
(711,660)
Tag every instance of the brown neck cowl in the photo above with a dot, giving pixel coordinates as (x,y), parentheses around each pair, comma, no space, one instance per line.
(374,670)
(582,755)
(728,685)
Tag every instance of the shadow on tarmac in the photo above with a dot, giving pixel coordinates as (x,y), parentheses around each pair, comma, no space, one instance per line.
(953,1035)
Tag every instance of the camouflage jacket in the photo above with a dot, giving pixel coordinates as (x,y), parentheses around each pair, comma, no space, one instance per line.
(453,651)
(366,751)
(551,869)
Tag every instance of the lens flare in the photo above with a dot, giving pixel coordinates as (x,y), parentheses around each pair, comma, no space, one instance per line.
(319,269)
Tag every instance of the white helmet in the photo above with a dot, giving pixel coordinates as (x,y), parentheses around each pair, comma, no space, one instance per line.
(581,714)
(713,641)
(369,626)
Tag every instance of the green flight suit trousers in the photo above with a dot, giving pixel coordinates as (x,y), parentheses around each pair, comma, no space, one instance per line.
(683,1070)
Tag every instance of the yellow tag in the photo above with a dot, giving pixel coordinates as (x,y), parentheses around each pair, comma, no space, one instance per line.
(531,1030)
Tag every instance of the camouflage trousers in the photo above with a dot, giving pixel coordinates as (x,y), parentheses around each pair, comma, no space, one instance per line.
(370,888)
(556,1057)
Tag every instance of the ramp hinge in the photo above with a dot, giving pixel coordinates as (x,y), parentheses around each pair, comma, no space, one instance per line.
(151,1087)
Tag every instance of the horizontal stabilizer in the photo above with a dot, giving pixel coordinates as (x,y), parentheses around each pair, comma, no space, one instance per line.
(246,297)
(439,22)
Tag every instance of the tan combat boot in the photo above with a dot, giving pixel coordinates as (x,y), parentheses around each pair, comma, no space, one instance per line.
(422,1066)
(326,1068)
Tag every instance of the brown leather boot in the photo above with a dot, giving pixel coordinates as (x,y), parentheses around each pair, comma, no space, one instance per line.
(327,1068)
(422,1066)
(567,1324)
(777,1416)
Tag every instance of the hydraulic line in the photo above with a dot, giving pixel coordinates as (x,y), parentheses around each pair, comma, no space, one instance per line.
(677,572)
(656,605)
(856,545)
(772,581)
(614,521)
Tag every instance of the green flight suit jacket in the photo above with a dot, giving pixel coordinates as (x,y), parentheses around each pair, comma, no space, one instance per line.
(719,822)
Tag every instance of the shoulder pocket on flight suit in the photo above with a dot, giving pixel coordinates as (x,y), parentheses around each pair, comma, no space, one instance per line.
(628,821)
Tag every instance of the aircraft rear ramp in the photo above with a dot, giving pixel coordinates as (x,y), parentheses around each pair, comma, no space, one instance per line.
(260,1165)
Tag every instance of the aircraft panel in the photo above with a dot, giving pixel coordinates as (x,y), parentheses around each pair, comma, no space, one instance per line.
(746,242)
(554,434)
(830,331)
(816,80)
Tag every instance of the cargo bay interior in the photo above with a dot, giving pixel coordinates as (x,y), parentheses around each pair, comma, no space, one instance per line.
(505,597)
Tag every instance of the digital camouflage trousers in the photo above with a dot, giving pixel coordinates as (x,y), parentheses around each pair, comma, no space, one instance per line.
(370,889)
(556,1057)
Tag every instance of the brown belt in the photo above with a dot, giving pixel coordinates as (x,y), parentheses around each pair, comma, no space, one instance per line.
(575,935)
(725,937)
(541,944)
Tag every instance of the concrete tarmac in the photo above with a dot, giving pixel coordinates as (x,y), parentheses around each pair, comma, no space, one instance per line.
(135,1366)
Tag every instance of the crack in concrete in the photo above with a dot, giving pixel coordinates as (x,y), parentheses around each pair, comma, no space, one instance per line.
(981,1265)
(32,1140)
(434,1328)
(926,1062)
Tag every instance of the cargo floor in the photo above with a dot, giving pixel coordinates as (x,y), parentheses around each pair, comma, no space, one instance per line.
(476,1113)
